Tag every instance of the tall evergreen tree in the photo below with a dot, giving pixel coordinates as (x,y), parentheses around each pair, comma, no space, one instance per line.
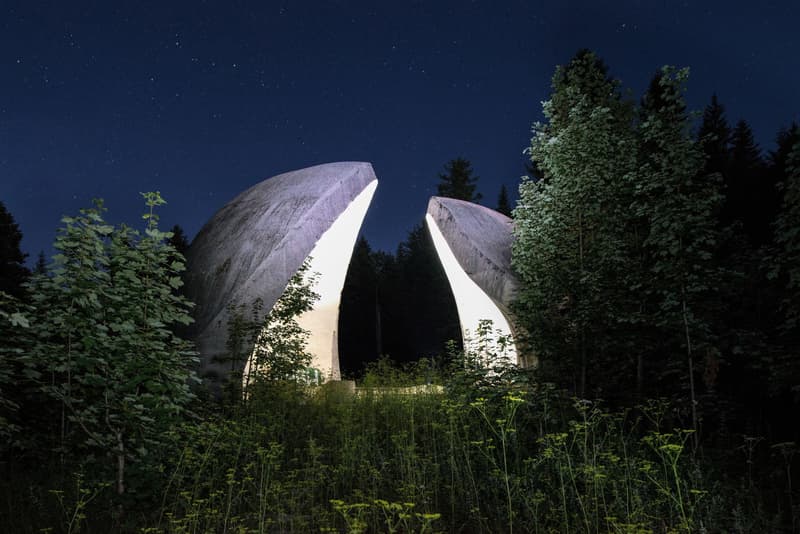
(570,244)
(428,306)
(13,272)
(458,182)
(358,313)
(41,264)
(714,136)
(777,173)
(750,199)
(390,323)
(784,141)
(503,204)
(745,153)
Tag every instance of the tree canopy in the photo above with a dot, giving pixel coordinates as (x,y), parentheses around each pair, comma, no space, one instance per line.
(13,272)
(458,182)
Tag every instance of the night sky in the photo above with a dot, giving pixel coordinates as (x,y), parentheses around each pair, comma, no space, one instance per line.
(201,100)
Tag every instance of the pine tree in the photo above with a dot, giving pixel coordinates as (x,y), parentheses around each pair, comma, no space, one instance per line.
(13,272)
(748,193)
(359,338)
(745,153)
(41,264)
(389,304)
(776,173)
(458,182)
(570,244)
(714,136)
(426,301)
(785,141)
(503,204)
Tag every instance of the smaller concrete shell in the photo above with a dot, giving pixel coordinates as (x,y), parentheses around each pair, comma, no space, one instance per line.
(253,245)
(474,245)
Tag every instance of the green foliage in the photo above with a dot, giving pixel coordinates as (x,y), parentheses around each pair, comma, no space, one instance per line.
(280,348)
(616,247)
(569,243)
(13,272)
(14,326)
(272,346)
(677,205)
(102,359)
(490,452)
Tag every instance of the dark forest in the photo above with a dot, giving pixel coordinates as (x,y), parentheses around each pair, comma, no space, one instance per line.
(658,253)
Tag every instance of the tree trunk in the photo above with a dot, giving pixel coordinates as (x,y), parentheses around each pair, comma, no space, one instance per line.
(639,376)
(582,325)
(690,362)
(120,465)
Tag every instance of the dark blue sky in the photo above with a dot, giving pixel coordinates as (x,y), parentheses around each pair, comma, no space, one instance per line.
(201,100)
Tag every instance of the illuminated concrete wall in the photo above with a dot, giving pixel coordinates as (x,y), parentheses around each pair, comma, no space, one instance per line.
(255,243)
(474,246)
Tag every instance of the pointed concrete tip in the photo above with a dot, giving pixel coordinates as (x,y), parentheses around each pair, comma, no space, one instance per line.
(254,244)
(480,239)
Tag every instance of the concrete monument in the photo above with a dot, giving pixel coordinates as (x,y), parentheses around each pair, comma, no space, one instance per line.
(253,245)
(474,246)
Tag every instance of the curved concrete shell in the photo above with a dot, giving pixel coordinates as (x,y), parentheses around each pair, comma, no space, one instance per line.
(253,245)
(474,246)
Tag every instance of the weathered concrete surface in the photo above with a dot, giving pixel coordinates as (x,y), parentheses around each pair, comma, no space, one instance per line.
(253,245)
(480,241)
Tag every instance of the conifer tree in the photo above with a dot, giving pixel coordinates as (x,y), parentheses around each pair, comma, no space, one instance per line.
(777,172)
(178,240)
(458,182)
(714,136)
(750,199)
(426,301)
(13,272)
(41,264)
(503,204)
(358,313)
(785,141)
